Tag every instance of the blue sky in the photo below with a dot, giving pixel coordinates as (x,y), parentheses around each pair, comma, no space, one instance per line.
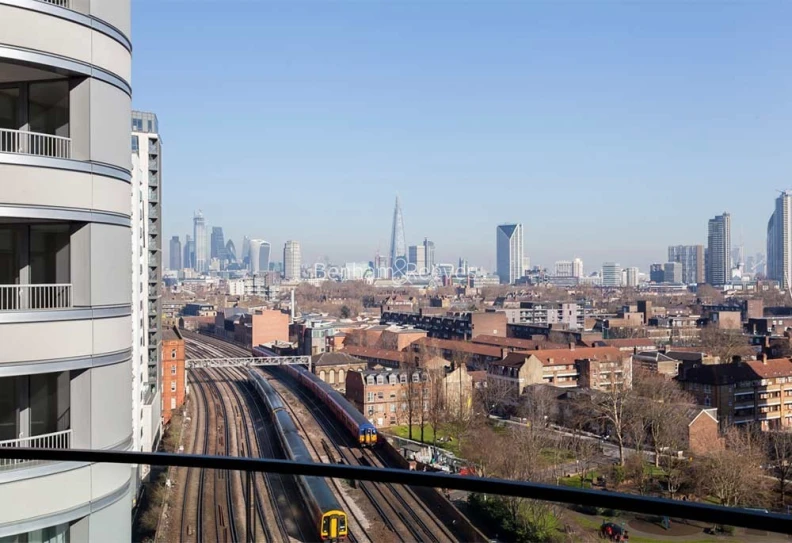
(609,129)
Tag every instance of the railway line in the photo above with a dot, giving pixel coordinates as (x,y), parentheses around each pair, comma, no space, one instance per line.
(405,517)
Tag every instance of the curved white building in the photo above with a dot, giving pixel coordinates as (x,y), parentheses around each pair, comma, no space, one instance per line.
(65,313)
(259,256)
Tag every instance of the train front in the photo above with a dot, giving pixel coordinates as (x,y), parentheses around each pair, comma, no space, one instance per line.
(334,526)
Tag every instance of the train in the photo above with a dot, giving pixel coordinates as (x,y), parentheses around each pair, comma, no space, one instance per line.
(328,515)
(359,428)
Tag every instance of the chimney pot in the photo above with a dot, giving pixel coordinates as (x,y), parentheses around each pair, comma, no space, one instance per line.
(764,358)
(571,345)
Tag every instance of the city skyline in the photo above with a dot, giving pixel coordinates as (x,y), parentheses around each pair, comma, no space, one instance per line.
(377,134)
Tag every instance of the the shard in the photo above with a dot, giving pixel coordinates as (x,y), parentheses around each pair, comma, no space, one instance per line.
(398,247)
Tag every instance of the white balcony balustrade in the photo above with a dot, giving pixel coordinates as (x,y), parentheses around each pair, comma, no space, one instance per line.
(56,440)
(59,3)
(31,297)
(33,143)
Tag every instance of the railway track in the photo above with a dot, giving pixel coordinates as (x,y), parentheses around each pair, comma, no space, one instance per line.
(284,518)
(416,522)
(405,516)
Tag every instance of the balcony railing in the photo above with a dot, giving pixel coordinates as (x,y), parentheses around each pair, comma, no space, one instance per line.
(59,3)
(731,516)
(56,440)
(33,143)
(26,297)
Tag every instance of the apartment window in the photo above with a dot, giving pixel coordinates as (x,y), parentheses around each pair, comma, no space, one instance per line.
(370,397)
(392,394)
(173,386)
(393,408)
(707,388)
(707,402)
(380,380)
(173,403)
(404,406)
(48,108)
(380,396)
(173,353)
(173,369)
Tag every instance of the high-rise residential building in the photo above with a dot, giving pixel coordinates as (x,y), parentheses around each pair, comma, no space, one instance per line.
(189,253)
(656,273)
(398,246)
(672,272)
(577,268)
(292,260)
(630,277)
(199,237)
(526,265)
(217,244)
(779,241)
(175,253)
(65,241)
(509,252)
(245,251)
(564,268)
(718,247)
(692,259)
(146,281)
(230,251)
(611,274)
(416,257)
(259,256)
(429,254)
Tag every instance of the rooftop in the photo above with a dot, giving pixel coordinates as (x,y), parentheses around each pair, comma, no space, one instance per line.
(460,346)
(524,344)
(335,359)
(554,357)
(733,372)
(373,353)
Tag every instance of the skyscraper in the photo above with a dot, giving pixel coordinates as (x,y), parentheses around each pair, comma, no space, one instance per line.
(398,247)
(563,268)
(245,251)
(577,268)
(217,244)
(175,253)
(230,251)
(189,253)
(611,274)
(66,267)
(416,257)
(429,254)
(779,241)
(509,252)
(630,276)
(692,259)
(718,248)
(292,260)
(199,236)
(259,256)
(673,272)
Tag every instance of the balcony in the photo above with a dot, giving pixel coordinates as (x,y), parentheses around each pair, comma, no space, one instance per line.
(32,143)
(704,512)
(33,297)
(60,3)
(55,440)
(153,196)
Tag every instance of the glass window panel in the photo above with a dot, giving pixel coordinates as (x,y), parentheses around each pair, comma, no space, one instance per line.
(9,414)
(49,108)
(9,108)
(49,254)
(43,404)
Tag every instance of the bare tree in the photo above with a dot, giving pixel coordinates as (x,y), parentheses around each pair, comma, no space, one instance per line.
(612,408)
(725,344)
(780,453)
(734,474)
(666,407)
(437,410)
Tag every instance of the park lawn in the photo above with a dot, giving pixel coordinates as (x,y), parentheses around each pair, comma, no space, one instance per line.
(574,481)
(551,457)
(403,431)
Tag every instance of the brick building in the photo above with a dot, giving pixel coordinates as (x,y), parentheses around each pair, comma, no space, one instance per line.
(743,392)
(174,377)
(702,433)
(333,367)
(465,325)
(473,354)
(378,357)
(591,367)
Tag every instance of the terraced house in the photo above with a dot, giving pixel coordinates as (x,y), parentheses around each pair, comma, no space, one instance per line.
(65,261)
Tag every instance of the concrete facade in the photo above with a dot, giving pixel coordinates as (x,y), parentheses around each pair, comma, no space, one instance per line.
(65,220)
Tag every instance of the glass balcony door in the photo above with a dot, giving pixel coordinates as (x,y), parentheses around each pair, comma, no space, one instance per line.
(34,405)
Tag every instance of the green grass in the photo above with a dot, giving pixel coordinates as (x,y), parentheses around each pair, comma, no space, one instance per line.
(402,431)
(551,457)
